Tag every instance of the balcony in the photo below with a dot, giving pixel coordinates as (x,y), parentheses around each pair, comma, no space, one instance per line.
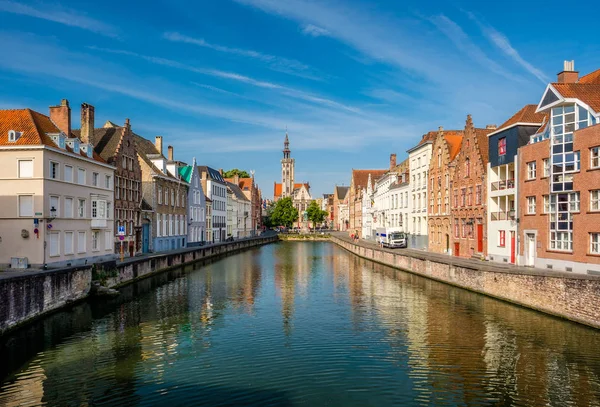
(99,223)
(503,215)
(503,184)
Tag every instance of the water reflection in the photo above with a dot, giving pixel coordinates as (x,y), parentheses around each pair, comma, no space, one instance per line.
(299,324)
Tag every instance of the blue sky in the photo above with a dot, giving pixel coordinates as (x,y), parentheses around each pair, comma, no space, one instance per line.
(353,81)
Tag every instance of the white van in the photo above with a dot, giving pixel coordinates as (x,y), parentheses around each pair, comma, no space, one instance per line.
(390,237)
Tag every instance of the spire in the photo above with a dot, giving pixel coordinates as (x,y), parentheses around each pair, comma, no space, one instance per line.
(286,146)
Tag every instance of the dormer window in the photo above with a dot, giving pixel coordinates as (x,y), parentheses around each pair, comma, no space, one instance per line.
(13,136)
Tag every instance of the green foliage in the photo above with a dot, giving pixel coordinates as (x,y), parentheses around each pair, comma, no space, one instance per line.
(315,214)
(284,213)
(233,172)
(102,275)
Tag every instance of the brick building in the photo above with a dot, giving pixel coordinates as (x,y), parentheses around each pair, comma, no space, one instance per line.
(116,145)
(358,183)
(340,208)
(468,187)
(502,181)
(559,188)
(445,148)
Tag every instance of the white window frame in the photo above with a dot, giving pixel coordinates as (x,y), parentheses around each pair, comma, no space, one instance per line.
(595,200)
(81,208)
(27,214)
(70,169)
(108,240)
(79,248)
(70,250)
(107,181)
(57,207)
(95,238)
(531,170)
(53,251)
(28,171)
(595,157)
(68,211)
(95,177)
(595,243)
(81,171)
(546,167)
(531,205)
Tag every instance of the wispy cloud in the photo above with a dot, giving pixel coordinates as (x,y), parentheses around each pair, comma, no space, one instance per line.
(295,93)
(502,42)
(54,13)
(313,30)
(462,41)
(273,62)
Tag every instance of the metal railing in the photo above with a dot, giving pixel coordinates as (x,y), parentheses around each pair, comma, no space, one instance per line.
(503,215)
(503,184)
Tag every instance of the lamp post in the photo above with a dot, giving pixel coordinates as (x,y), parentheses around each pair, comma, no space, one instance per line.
(48,226)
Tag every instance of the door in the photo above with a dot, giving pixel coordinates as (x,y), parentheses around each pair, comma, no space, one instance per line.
(480,237)
(512,247)
(457,249)
(530,250)
(145,238)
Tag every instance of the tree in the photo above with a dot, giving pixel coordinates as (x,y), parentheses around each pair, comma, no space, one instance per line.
(284,213)
(233,172)
(315,213)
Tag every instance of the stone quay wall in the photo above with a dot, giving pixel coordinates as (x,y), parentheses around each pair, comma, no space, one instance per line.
(31,295)
(571,296)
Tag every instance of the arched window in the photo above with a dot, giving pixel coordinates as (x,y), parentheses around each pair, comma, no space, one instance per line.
(467,168)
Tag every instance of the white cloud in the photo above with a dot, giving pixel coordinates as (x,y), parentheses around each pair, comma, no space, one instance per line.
(275,63)
(502,42)
(314,31)
(67,17)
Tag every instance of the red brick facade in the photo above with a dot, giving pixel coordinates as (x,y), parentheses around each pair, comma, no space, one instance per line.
(469,193)
(586,220)
(441,174)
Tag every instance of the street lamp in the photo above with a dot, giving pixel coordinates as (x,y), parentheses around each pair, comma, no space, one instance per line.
(52,214)
(48,226)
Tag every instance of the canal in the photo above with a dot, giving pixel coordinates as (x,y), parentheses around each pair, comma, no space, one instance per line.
(299,323)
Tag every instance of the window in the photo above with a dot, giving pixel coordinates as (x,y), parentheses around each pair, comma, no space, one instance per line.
(531,205)
(595,243)
(54,244)
(166,196)
(502,238)
(81,176)
(107,240)
(81,208)
(546,167)
(98,209)
(561,241)
(68,173)
(531,170)
(574,201)
(478,195)
(160,195)
(124,163)
(467,168)
(158,216)
(470,197)
(172,197)
(502,146)
(117,188)
(463,197)
(546,203)
(68,208)
(80,242)
(54,203)
(25,168)
(595,157)
(53,170)
(69,243)
(95,236)
(95,179)
(463,224)
(595,200)
(25,205)
(107,182)
(108,210)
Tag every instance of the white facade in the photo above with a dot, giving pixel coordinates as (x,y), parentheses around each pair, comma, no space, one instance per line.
(382,202)
(367,231)
(502,210)
(216,190)
(419,158)
(400,208)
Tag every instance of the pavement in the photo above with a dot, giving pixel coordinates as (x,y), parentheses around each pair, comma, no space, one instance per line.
(482,265)
(8,273)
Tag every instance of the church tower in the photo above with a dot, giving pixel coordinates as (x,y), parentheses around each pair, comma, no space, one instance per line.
(287,170)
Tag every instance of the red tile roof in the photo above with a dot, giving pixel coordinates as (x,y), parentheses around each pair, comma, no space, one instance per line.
(593,77)
(34,127)
(527,114)
(361,177)
(587,92)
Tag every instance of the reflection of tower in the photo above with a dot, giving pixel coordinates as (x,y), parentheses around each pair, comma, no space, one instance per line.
(287,170)
(285,279)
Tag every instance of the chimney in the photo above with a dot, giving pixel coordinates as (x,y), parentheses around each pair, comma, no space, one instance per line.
(490,127)
(221,171)
(158,143)
(568,74)
(61,116)
(170,153)
(392,161)
(87,124)
(236,179)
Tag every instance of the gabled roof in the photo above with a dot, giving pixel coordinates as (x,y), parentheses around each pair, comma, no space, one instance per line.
(427,138)
(277,188)
(588,93)
(527,115)
(453,139)
(109,139)
(245,184)
(593,77)
(482,143)
(34,128)
(361,177)
(212,174)
(342,192)
(237,191)
(147,148)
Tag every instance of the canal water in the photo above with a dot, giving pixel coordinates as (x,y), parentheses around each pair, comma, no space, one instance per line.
(299,323)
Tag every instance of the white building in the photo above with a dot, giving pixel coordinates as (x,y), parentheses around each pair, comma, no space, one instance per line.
(240,222)
(215,188)
(57,195)
(368,228)
(400,203)
(196,204)
(419,157)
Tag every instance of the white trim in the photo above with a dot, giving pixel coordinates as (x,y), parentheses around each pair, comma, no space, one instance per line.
(514,125)
(57,150)
(556,93)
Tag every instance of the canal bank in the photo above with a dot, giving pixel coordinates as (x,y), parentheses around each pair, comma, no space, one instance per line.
(571,296)
(26,296)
